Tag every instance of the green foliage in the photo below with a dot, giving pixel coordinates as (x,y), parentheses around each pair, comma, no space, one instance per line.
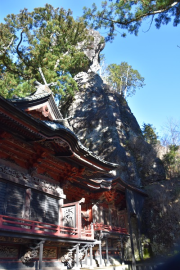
(149,133)
(171,161)
(128,15)
(124,79)
(46,38)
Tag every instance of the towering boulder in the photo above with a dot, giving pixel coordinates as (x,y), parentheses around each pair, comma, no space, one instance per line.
(105,124)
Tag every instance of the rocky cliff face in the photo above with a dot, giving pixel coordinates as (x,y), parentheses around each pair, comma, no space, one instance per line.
(105,124)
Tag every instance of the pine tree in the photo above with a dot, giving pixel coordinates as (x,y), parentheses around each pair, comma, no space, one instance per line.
(129,15)
(45,39)
(149,133)
(124,79)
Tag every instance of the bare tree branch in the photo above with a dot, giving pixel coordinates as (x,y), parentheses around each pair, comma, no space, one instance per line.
(6,48)
(150,24)
(20,53)
(57,62)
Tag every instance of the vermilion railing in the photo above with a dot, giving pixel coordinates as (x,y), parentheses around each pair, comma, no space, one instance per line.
(36,227)
(108,228)
(88,232)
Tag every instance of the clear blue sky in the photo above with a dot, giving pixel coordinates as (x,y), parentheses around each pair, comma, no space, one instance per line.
(154,54)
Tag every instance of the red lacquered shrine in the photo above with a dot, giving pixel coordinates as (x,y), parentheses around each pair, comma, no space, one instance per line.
(60,205)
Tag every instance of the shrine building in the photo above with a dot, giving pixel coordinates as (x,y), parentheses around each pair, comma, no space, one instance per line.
(60,205)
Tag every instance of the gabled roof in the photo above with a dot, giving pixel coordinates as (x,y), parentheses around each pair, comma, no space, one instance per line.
(42,100)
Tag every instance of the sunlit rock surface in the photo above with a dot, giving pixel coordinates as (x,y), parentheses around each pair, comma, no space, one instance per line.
(104,123)
(93,50)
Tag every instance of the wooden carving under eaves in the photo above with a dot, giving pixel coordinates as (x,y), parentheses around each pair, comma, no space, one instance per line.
(35,182)
(107,197)
(37,158)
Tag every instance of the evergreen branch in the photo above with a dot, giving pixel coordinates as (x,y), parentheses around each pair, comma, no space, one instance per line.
(50,41)
(20,53)
(7,65)
(137,18)
(13,70)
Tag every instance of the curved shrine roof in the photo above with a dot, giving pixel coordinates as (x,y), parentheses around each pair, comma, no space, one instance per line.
(15,117)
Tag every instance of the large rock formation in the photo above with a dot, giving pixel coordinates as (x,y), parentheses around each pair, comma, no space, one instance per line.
(105,124)
(93,50)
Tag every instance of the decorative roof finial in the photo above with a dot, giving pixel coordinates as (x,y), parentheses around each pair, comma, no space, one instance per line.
(42,75)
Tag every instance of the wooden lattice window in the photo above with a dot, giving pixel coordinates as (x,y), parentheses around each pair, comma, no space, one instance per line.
(44,208)
(12,198)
